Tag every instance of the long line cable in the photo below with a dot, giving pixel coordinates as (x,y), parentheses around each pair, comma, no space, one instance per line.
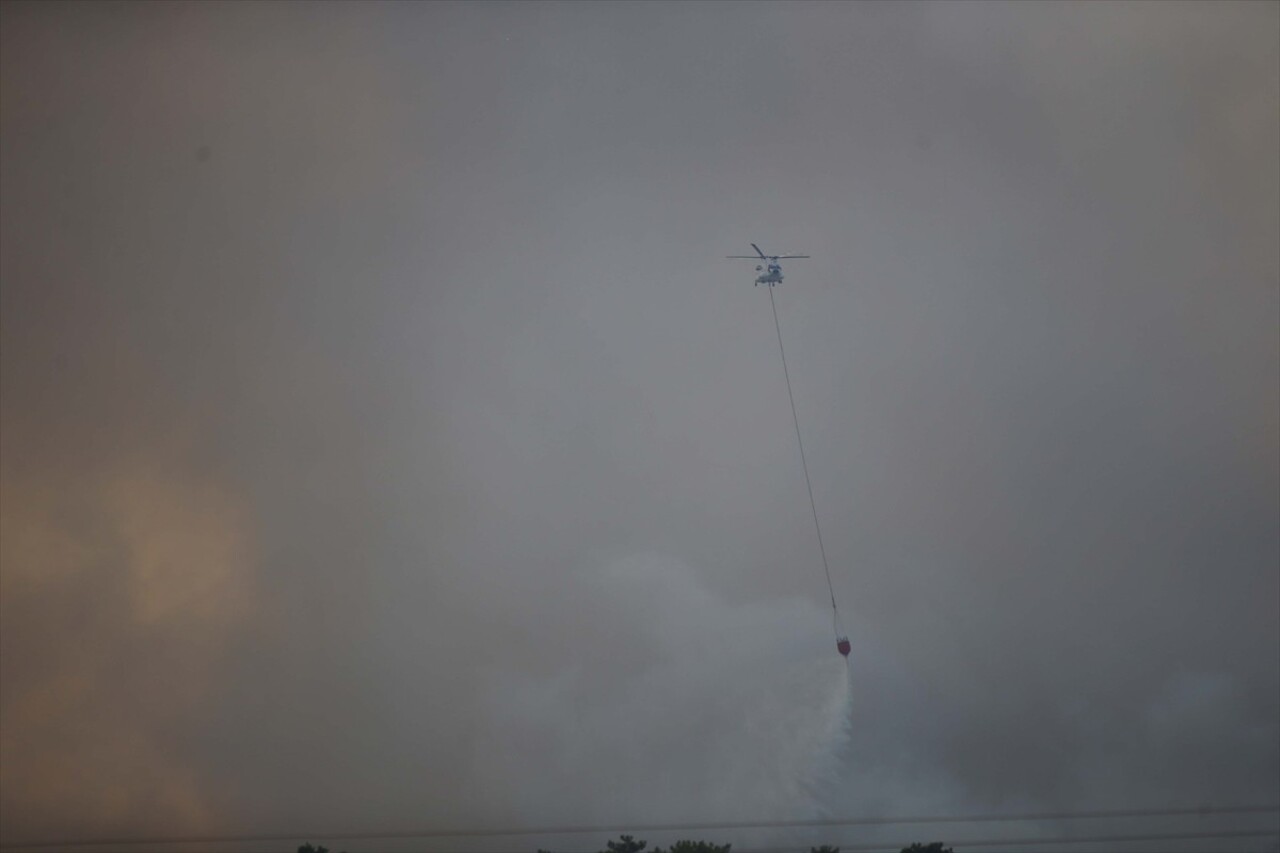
(800,441)
(460,832)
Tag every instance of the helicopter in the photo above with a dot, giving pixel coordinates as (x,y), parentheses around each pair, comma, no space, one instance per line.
(770,271)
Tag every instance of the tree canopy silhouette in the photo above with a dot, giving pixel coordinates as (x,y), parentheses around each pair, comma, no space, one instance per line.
(695,847)
(624,844)
(629,844)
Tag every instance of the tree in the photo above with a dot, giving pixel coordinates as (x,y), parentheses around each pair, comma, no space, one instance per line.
(934,847)
(627,844)
(695,847)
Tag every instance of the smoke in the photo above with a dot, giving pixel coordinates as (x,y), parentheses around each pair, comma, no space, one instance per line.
(677,705)
(385,442)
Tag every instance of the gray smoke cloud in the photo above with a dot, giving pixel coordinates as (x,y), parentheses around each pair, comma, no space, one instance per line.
(386,443)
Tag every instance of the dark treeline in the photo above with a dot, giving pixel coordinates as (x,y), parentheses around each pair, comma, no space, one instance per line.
(627,844)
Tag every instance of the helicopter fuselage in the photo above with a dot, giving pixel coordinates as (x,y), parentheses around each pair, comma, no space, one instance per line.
(771,276)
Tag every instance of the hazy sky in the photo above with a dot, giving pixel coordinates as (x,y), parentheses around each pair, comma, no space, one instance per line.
(386,442)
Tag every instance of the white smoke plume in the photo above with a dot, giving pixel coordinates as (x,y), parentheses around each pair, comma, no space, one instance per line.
(716,711)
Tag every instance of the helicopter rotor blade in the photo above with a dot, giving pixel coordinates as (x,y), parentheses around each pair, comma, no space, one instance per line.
(761,256)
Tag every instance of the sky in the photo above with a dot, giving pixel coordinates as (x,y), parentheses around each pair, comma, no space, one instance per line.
(386,442)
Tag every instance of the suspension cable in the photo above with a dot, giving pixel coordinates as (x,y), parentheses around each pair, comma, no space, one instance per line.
(803,464)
